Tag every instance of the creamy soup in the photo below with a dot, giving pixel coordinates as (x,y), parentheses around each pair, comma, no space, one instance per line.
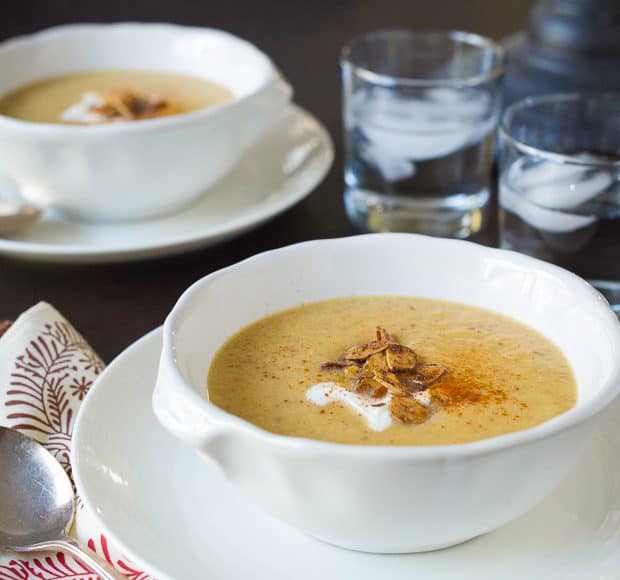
(102,96)
(391,371)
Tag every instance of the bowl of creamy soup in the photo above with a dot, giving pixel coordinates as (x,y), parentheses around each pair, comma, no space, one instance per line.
(130,121)
(389,392)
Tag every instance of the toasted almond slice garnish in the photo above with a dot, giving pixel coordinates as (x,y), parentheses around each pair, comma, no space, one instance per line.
(383,335)
(367,385)
(391,382)
(371,387)
(119,103)
(408,410)
(362,352)
(400,358)
(106,110)
(374,363)
(351,371)
(130,106)
(380,392)
(383,367)
(427,374)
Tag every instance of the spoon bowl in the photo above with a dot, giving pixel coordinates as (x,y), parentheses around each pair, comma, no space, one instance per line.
(36,494)
(37,502)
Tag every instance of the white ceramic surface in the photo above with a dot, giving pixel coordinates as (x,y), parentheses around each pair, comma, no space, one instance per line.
(265,182)
(135,170)
(389,499)
(177,517)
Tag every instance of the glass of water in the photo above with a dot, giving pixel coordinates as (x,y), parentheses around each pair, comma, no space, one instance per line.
(420,109)
(559,189)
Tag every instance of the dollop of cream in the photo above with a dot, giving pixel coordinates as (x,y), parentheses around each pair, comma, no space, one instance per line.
(83,111)
(376,412)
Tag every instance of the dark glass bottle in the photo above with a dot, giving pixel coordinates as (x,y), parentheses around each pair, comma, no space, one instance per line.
(568,46)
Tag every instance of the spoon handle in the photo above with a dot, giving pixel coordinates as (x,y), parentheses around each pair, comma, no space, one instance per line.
(92,561)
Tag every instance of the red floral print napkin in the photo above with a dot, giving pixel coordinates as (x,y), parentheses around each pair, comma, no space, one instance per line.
(46,370)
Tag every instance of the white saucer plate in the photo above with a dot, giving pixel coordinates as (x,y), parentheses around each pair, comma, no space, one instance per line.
(174,514)
(284,166)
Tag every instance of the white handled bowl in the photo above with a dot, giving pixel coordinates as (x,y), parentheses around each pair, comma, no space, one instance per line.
(379,498)
(139,169)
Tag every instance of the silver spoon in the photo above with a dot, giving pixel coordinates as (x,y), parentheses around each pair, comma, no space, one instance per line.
(37,503)
(16,215)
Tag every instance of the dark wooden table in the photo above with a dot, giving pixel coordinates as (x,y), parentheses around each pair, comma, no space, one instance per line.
(114,305)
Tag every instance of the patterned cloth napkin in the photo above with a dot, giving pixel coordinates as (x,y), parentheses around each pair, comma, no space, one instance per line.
(46,369)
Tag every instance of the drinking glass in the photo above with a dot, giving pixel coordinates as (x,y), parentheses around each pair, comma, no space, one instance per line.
(420,109)
(559,190)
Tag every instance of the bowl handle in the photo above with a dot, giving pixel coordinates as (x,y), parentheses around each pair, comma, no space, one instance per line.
(178,409)
(275,95)
(265,106)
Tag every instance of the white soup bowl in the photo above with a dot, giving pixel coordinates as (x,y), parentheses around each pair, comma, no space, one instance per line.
(135,170)
(381,498)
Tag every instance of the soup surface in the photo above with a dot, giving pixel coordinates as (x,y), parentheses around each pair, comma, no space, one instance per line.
(101,96)
(495,375)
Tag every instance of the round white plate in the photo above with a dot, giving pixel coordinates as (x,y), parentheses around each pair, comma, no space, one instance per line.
(288,162)
(175,515)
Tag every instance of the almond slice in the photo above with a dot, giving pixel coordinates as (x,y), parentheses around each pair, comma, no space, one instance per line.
(407,410)
(367,385)
(106,110)
(400,358)
(427,374)
(384,335)
(362,352)
(372,387)
(391,382)
(374,363)
(379,393)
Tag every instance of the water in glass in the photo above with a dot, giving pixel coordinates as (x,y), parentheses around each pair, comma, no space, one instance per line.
(419,163)
(419,110)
